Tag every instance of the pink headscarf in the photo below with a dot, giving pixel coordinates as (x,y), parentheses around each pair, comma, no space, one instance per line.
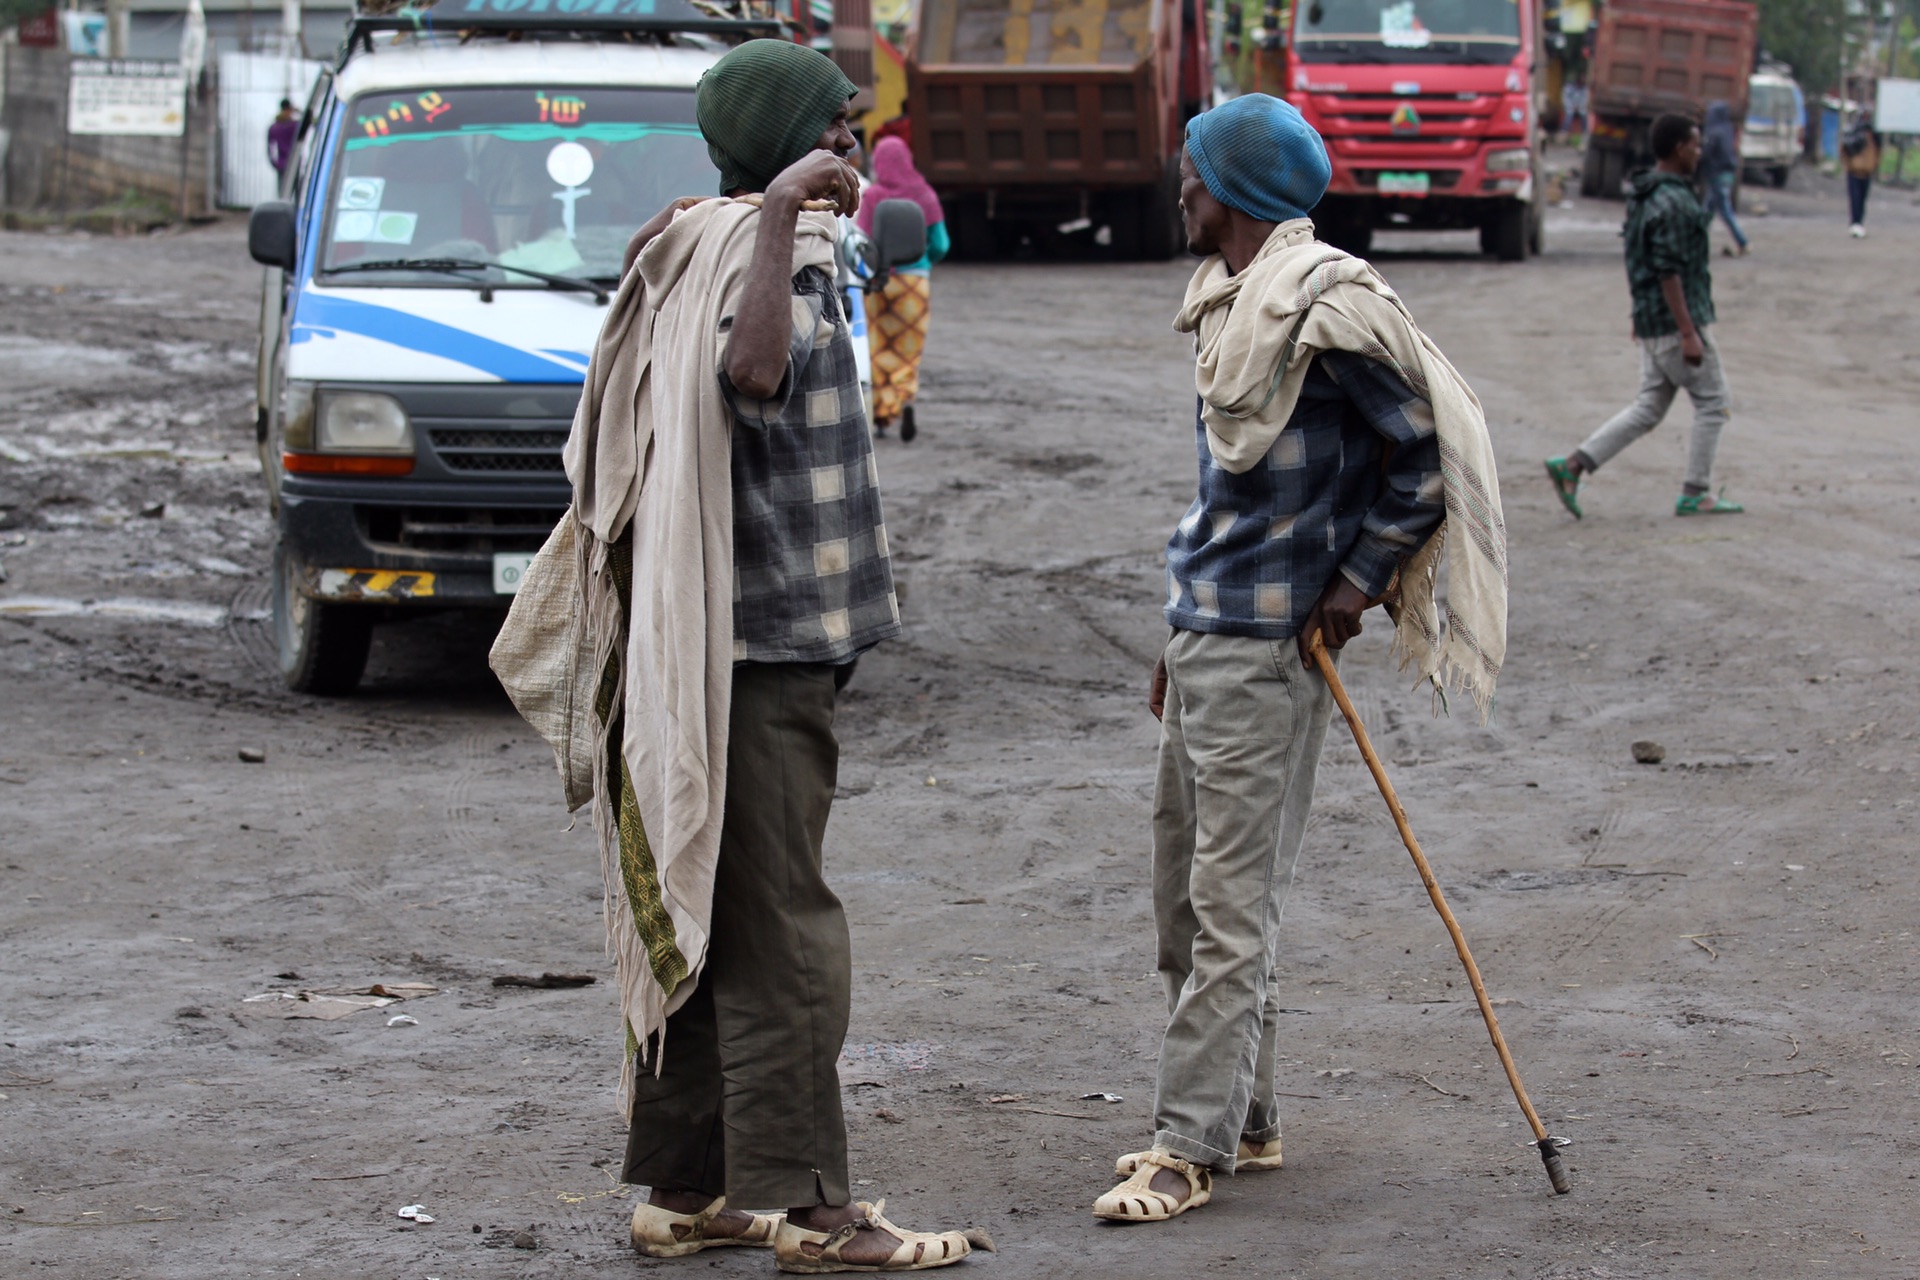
(895,178)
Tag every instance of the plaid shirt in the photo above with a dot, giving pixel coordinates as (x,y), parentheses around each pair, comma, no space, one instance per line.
(1352,486)
(812,581)
(1666,235)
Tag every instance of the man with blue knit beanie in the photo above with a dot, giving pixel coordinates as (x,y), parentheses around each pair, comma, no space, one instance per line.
(1319,476)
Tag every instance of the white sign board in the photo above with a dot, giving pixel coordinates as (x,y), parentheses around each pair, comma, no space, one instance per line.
(148,99)
(1898,107)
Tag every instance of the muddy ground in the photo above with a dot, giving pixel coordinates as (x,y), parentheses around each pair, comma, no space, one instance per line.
(1707,968)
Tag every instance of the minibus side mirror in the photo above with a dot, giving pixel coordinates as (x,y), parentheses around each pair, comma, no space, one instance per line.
(273,234)
(899,234)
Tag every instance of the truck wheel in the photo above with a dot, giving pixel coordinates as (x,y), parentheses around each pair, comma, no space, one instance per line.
(1779,176)
(1343,228)
(323,647)
(1592,172)
(1614,173)
(1602,172)
(973,238)
(1505,234)
(1536,228)
(1161,234)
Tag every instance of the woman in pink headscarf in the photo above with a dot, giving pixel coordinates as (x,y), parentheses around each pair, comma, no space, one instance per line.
(897,316)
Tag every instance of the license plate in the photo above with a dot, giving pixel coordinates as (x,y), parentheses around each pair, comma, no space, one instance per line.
(508,567)
(1404,184)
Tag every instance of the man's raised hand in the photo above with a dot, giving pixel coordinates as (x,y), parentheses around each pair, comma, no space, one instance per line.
(818,175)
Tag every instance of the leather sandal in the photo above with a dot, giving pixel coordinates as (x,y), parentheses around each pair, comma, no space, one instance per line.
(1252,1157)
(799,1249)
(662,1233)
(1135,1200)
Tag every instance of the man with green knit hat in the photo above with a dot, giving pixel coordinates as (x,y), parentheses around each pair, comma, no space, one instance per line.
(740,1104)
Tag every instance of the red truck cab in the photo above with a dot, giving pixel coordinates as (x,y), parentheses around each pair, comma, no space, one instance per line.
(1429,112)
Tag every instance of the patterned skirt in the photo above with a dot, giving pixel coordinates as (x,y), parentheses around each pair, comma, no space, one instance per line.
(897,330)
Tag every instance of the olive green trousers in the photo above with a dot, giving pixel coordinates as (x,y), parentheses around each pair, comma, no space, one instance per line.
(747,1100)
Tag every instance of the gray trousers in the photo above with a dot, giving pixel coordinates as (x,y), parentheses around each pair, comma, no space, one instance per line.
(1239,746)
(747,1102)
(1663,374)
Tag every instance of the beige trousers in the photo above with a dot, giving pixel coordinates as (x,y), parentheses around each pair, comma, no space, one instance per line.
(1239,745)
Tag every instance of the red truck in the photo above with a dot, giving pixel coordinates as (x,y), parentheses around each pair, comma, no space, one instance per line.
(1655,56)
(1431,115)
(1055,121)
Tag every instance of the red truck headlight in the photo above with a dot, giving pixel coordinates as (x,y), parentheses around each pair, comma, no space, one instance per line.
(1514,158)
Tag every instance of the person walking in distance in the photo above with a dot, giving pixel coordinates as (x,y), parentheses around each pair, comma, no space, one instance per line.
(898,315)
(1322,417)
(281,135)
(1573,110)
(1672,288)
(1720,167)
(1861,154)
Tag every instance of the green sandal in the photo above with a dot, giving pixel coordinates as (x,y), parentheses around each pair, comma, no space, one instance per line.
(1566,484)
(1706,504)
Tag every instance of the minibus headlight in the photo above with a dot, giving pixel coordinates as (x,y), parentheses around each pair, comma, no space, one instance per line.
(363,422)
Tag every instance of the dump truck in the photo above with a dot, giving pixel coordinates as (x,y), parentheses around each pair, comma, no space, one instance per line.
(1652,57)
(1431,114)
(1039,121)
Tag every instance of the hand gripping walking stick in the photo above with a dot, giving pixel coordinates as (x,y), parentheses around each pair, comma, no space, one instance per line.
(1549,1147)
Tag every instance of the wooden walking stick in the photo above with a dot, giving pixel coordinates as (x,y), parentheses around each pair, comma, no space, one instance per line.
(1549,1147)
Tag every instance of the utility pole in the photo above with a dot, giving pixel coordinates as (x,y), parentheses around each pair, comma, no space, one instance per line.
(290,28)
(119,28)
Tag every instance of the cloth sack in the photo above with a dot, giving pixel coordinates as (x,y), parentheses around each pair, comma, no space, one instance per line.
(544,659)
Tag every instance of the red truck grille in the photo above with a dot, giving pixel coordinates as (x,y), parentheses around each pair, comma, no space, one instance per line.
(1412,125)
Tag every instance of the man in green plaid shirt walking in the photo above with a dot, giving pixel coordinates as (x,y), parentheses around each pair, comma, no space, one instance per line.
(1672,288)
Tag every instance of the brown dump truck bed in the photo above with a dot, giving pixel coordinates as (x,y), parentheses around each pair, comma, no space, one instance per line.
(1022,92)
(1036,33)
(1672,55)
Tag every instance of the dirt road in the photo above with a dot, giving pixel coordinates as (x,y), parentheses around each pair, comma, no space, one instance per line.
(1706,968)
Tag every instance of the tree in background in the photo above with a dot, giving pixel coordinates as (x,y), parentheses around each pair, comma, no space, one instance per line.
(1811,36)
(1808,36)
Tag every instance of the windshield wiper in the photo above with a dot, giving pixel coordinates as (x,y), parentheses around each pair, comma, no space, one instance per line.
(454,266)
(1468,53)
(1338,51)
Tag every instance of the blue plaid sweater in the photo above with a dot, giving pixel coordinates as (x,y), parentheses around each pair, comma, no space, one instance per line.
(1352,486)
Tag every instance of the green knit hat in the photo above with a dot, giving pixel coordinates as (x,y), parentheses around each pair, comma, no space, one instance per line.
(763,106)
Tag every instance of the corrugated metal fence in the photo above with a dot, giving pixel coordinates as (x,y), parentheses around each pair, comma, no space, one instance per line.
(251,86)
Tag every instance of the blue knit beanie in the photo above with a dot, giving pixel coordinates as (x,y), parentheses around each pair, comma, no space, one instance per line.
(1259,155)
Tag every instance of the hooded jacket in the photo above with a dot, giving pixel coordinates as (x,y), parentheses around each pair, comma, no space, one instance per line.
(1666,235)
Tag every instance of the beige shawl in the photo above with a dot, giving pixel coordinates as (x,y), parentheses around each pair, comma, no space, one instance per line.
(651,448)
(1255,335)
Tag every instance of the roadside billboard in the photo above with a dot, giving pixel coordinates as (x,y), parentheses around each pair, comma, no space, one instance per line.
(145,99)
(1897,109)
